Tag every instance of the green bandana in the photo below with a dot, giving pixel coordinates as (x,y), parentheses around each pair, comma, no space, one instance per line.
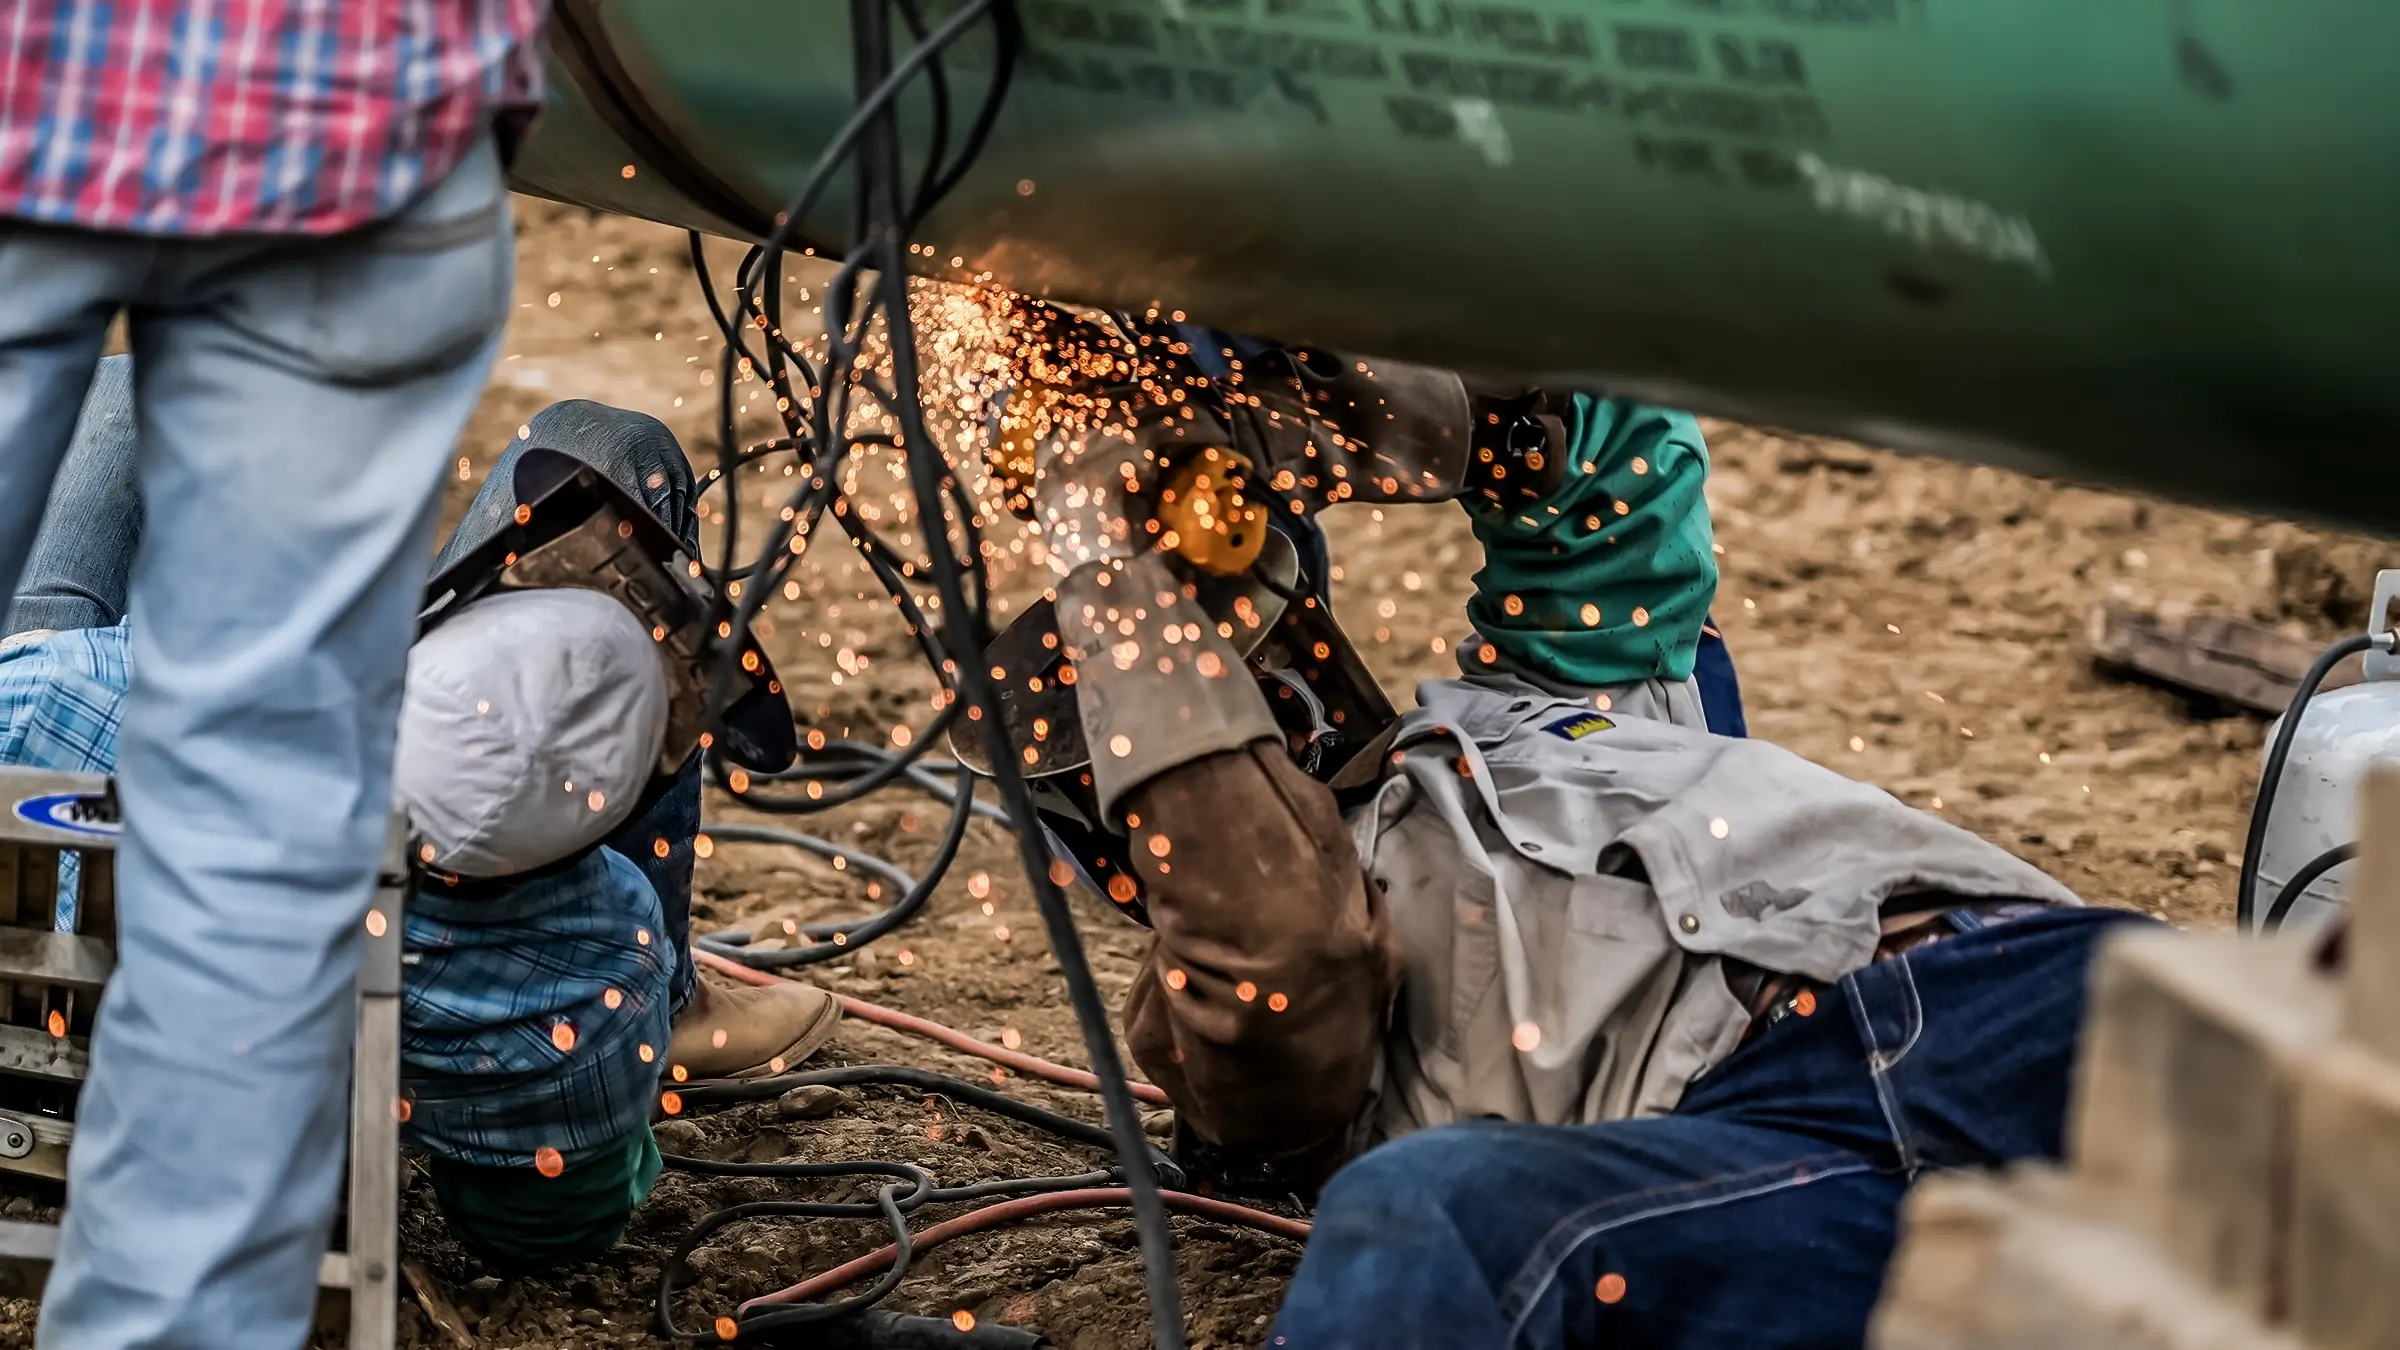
(1608,579)
(516,1221)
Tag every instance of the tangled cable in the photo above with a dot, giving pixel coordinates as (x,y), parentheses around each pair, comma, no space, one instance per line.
(822,405)
(1020,1198)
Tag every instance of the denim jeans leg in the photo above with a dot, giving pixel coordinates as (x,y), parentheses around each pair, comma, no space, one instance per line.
(83,556)
(298,402)
(659,843)
(62,290)
(1676,1233)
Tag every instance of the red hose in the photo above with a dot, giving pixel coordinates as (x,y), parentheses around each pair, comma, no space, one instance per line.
(897,1020)
(1008,1211)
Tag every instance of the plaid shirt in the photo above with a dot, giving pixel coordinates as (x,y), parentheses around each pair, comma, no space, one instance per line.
(536,1016)
(210,117)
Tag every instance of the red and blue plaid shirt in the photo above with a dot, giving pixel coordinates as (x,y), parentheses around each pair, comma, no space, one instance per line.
(210,117)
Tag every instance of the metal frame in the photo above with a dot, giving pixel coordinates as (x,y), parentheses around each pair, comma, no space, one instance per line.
(46,975)
(2380,664)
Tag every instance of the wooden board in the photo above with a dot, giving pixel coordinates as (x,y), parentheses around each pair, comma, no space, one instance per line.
(2248,665)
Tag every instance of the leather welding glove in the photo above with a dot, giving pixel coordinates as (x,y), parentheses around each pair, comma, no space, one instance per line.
(1324,427)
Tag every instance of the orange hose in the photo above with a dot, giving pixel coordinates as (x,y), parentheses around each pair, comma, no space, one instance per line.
(1064,1075)
(1007,1211)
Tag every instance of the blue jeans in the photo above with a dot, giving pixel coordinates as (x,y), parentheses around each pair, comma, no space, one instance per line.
(81,563)
(1760,1215)
(1720,689)
(298,401)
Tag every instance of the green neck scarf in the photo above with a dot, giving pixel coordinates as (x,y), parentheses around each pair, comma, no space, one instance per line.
(1606,580)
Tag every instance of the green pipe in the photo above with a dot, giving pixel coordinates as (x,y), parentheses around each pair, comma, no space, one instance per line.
(2148,241)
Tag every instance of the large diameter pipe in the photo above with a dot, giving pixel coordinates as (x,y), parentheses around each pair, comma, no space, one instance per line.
(2149,241)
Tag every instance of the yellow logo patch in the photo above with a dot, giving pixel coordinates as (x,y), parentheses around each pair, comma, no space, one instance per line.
(1579,726)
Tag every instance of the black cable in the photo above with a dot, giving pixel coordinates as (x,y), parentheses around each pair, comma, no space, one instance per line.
(891,1205)
(877,178)
(841,939)
(2272,920)
(736,1091)
(2245,895)
(871,284)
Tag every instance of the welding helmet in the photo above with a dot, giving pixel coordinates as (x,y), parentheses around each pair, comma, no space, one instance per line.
(574,528)
(1280,612)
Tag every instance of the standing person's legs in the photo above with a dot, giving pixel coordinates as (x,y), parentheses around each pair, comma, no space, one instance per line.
(83,555)
(297,402)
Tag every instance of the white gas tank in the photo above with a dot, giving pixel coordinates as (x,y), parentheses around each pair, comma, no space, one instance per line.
(2316,807)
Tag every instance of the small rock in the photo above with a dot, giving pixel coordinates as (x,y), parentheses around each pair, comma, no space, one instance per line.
(590,1317)
(676,1136)
(813,1102)
(973,1137)
(767,1146)
(17,1207)
(484,1284)
(1158,1124)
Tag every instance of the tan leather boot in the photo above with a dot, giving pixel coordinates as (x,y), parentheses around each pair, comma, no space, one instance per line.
(749,1031)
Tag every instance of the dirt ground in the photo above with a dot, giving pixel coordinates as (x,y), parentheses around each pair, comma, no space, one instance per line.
(1914,623)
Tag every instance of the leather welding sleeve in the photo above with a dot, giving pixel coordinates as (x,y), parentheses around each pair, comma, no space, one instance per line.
(1261,1006)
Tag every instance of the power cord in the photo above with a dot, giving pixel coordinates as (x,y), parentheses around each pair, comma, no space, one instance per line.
(824,406)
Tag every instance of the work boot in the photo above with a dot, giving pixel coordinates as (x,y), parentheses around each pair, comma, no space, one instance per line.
(749,1031)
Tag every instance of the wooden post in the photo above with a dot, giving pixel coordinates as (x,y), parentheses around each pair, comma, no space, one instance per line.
(2371,1001)
(375,1114)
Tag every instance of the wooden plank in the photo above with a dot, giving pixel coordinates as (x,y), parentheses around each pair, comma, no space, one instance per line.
(374,1240)
(38,1054)
(2015,1262)
(66,959)
(28,1250)
(2246,664)
(2371,990)
(2185,1096)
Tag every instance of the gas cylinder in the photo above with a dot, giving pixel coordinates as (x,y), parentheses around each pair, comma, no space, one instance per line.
(2314,809)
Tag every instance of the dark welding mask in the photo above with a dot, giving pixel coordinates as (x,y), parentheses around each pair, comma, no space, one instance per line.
(1328,704)
(575,528)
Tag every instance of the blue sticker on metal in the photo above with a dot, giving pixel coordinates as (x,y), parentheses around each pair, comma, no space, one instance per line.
(74,812)
(1580,725)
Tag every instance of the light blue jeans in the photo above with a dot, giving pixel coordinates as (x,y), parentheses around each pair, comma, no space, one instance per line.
(297,402)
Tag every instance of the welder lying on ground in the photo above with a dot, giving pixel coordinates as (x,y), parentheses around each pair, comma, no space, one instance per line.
(1619,1033)
(548,940)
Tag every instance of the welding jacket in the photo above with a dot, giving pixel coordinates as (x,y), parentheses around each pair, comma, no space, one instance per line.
(1526,917)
